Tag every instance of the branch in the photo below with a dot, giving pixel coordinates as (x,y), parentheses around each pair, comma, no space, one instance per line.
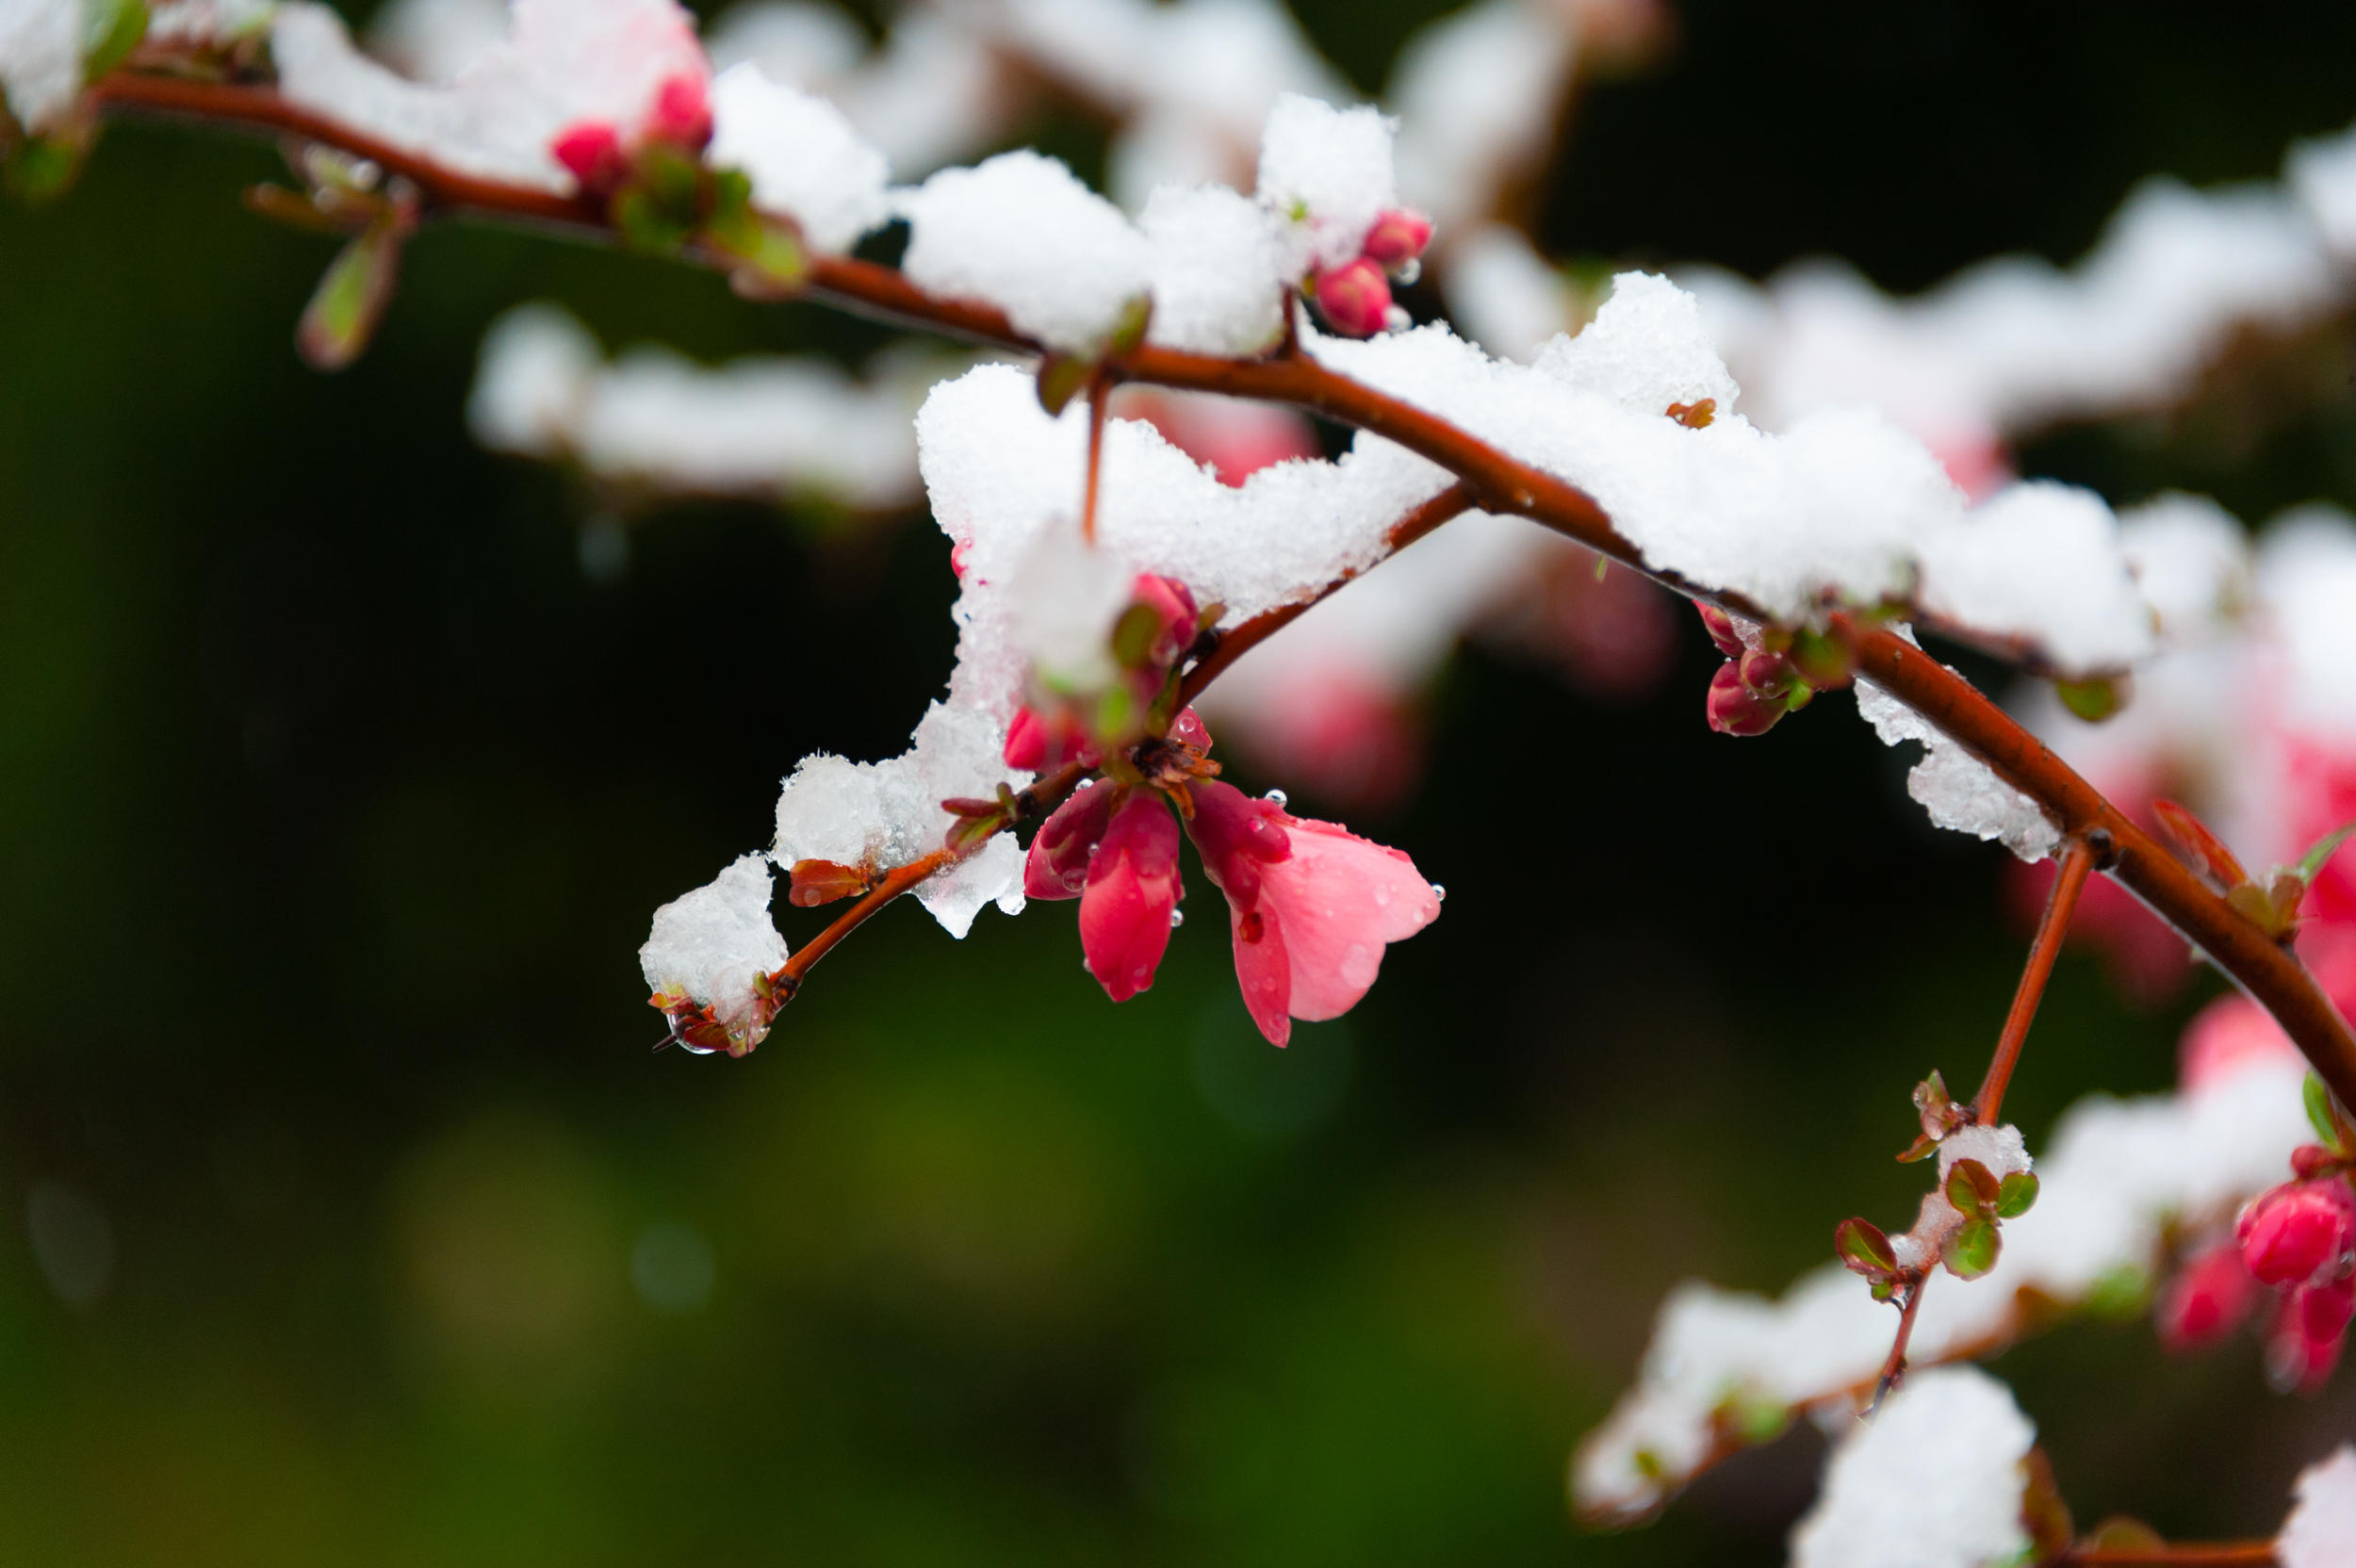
(1495,482)
(2206,1554)
(1454,501)
(2077,860)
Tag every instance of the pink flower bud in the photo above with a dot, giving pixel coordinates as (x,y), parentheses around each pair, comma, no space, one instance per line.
(1173,605)
(1057,864)
(1721,628)
(2206,1301)
(1768,675)
(1131,888)
(1038,744)
(1355,297)
(681,113)
(2310,1160)
(2311,1330)
(591,152)
(1734,709)
(1397,238)
(2298,1228)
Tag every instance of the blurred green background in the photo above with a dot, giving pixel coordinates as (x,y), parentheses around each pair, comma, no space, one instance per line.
(335,798)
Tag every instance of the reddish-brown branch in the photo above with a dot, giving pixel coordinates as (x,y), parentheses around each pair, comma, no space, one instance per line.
(2076,862)
(1894,1365)
(1100,400)
(1040,798)
(2190,1554)
(1497,481)
(1454,501)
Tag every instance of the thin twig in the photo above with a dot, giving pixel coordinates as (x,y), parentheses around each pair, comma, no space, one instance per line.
(1894,1365)
(2076,862)
(1451,502)
(1500,483)
(1099,399)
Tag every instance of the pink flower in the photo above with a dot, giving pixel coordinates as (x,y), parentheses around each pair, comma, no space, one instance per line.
(591,149)
(1734,709)
(2311,1331)
(1173,611)
(681,113)
(1037,742)
(1237,439)
(1355,297)
(1058,865)
(2206,1301)
(1311,906)
(2298,1228)
(1131,888)
(2225,1036)
(1397,238)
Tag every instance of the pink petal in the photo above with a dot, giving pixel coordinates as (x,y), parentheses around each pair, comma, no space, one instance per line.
(1264,971)
(1057,864)
(1341,899)
(1131,888)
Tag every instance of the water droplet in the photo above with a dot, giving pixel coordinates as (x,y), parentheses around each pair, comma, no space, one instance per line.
(1279,799)
(1177,919)
(1382,897)
(694,1050)
(1439,892)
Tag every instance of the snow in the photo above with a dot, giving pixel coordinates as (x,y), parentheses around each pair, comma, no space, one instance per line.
(2306,574)
(802,156)
(1217,271)
(1327,171)
(2321,1531)
(2042,563)
(1063,600)
(435,40)
(563,61)
(2323,175)
(1960,791)
(1474,94)
(769,428)
(2115,1174)
(40,58)
(1021,232)
(1502,294)
(1646,350)
(204,22)
(2190,561)
(1932,1479)
(712,943)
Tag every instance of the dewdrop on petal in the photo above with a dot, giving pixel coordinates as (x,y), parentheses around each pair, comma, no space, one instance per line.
(715,949)
(1932,1479)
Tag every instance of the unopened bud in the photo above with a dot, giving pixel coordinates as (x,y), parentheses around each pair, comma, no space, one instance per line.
(681,113)
(1397,238)
(2206,1301)
(1734,709)
(2289,1233)
(1355,297)
(591,152)
(1721,628)
(1769,674)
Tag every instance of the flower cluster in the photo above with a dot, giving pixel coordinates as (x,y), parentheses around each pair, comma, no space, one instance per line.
(1311,906)
(1355,295)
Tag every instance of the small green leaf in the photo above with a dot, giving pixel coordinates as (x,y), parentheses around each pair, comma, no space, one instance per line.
(110,30)
(1824,660)
(1136,313)
(2016,1194)
(351,299)
(1752,1419)
(649,225)
(1973,1188)
(1061,377)
(1863,1249)
(1971,1251)
(2118,1293)
(2310,865)
(2325,1119)
(2092,700)
(1133,636)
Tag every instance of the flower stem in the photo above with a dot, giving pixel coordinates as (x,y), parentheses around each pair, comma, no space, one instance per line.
(2076,862)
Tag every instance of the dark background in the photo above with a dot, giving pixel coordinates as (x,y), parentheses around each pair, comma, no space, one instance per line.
(335,798)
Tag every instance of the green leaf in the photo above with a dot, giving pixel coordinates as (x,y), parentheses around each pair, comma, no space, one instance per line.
(1824,660)
(2092,700)
(1752,1419)
(1973,1188)
(1061,377)
(2118,1293)
(110,30)
(1971,1251)
(648,223)
(1133,636)
(2325,1119)
(351,299)
(1129,328)
(2016,1194)
(2310,865)
(1863,1249)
